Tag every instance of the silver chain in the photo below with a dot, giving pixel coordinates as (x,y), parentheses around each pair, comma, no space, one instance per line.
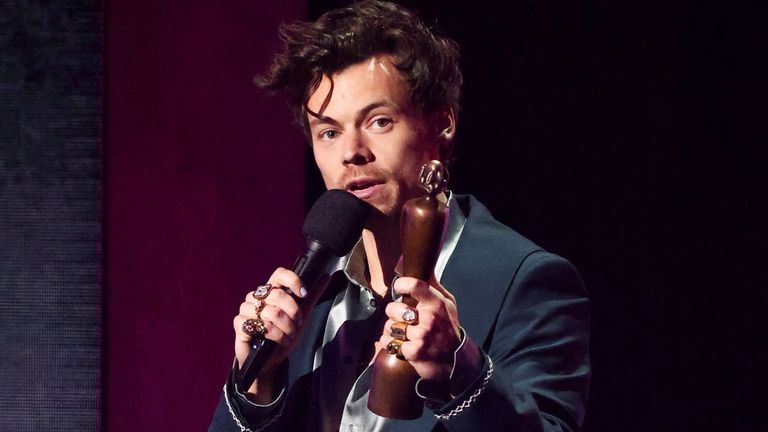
(470,400)
(464,405)
(237,420)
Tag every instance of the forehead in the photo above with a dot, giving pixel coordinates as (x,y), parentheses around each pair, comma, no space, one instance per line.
(375,80)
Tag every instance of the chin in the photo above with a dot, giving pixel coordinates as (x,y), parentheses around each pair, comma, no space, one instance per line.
(385,210)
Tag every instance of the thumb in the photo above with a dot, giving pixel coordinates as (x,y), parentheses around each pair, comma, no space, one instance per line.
(441,289)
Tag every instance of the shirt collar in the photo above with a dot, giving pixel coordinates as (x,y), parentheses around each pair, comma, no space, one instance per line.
(355,264)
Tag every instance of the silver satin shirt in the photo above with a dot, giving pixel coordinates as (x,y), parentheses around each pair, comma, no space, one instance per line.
(354,323)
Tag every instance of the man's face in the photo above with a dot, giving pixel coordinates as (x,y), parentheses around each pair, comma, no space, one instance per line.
(369,139)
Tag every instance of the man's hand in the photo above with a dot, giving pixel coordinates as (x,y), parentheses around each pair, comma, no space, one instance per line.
(432,341)
(283,319)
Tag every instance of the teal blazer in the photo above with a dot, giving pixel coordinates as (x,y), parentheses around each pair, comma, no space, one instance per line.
(526,308)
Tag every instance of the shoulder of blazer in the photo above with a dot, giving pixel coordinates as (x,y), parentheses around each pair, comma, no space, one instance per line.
(481,269)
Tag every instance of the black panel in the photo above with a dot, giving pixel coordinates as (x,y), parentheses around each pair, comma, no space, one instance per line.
(50,120)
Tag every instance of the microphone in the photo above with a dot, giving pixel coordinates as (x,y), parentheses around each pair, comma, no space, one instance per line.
(332,227)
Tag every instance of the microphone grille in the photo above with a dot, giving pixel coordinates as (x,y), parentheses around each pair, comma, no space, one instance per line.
(336,220)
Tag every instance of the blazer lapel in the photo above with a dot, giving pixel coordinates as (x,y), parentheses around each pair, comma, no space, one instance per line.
(302,358)
(482,268)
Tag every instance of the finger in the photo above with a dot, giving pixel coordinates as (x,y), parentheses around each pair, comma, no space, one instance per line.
(240,335)
(418,289)
(413,350)
(412,332)
(283,277)
(279,319)
(277,296)
(248,309)
(383,341)
(278,299)
(273,332)
(409,350)
(276,334)
(395,311)
(405,347)
(285,302)
(437,286)
(237,324)
(261,292)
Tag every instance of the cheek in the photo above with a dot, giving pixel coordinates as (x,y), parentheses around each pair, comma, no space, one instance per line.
(417,155)
(408,171)
(422,146)
(330,180)
(321,160)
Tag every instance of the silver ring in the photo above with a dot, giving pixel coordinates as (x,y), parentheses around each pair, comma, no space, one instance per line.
(410,316)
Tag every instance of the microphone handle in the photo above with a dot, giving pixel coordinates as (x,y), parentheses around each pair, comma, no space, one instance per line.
(314,267)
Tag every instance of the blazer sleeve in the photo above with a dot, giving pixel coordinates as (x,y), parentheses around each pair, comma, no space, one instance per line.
(539,350)
(234,413)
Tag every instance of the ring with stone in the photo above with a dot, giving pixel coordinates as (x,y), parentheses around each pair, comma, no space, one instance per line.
(397,330)
(258,306)
(262,291)
(254,328)
(410,316)
(394,348)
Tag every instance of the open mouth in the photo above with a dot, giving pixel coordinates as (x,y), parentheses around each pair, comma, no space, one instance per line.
(363,188)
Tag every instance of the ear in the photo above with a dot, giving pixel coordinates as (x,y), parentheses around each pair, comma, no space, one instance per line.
(445,125)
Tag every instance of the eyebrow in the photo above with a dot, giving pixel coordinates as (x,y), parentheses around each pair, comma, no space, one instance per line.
(319,119)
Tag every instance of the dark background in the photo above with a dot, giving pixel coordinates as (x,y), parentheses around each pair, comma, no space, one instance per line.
(622,136)
(625,136)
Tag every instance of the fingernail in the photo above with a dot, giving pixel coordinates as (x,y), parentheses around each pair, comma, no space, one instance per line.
(303,292)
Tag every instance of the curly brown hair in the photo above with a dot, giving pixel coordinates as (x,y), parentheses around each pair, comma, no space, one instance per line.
(429,63)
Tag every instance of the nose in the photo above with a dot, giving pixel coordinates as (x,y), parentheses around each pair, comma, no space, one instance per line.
(356,150)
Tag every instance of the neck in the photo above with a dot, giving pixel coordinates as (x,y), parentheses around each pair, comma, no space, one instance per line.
(382,249)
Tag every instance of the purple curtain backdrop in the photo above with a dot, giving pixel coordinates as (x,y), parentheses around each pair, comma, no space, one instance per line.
(204,197)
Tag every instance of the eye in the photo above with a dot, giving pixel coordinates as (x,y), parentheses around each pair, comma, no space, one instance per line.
(381,122)
(328,134)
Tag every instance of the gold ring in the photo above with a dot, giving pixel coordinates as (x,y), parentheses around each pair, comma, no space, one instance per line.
(394,347)
(398,330)
(262,291)
(254,328)
(259,306)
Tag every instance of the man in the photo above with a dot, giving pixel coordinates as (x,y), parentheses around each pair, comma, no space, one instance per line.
(501,341)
